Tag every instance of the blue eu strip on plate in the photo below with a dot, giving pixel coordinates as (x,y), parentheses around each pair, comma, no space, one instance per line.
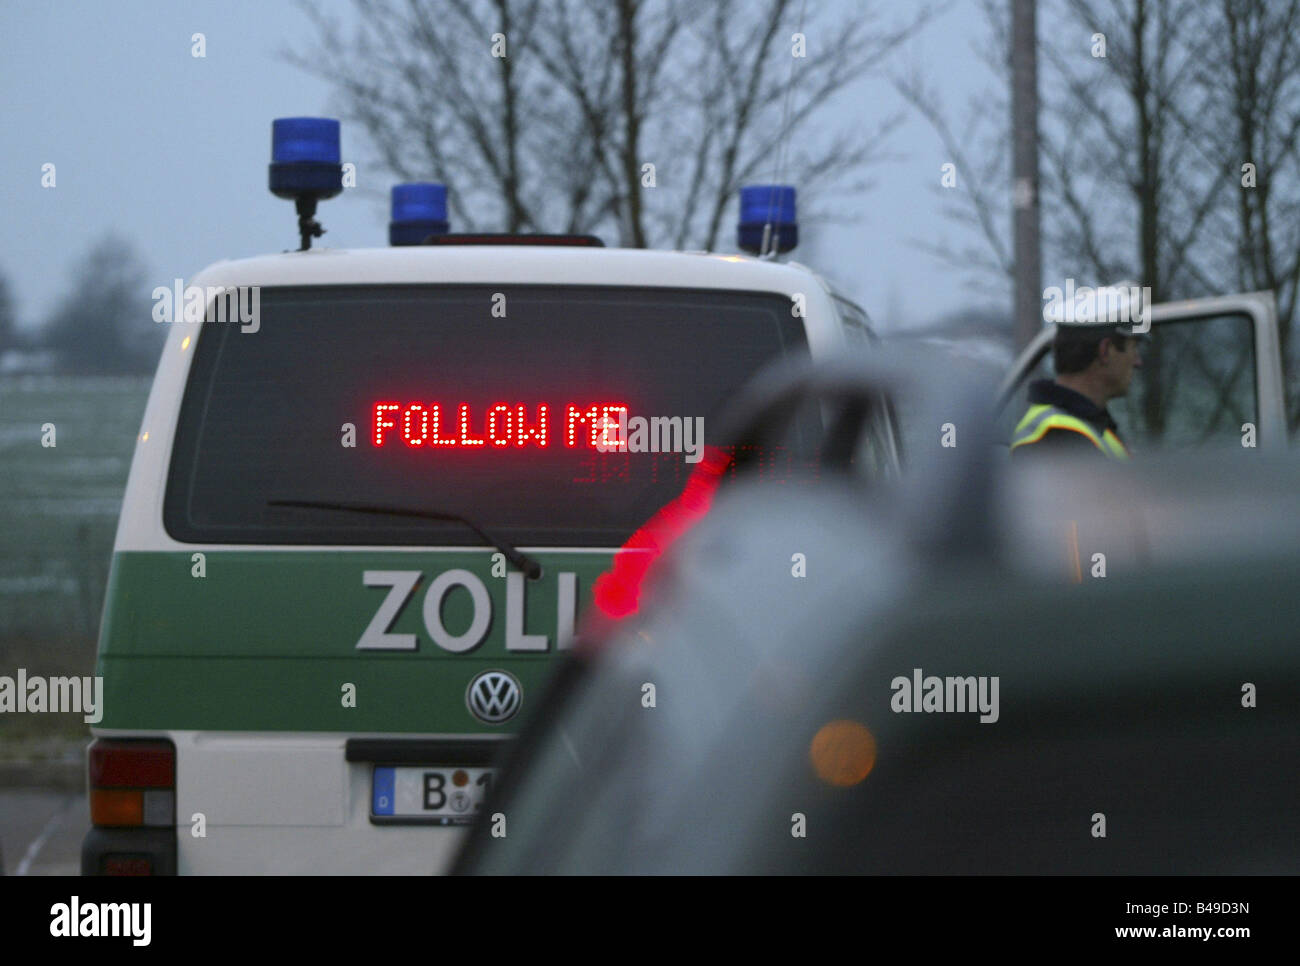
(382,803)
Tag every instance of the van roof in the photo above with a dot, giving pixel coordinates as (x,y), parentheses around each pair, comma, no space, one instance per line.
(516,264)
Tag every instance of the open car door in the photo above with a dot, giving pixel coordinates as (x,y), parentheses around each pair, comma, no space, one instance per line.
(1211,374)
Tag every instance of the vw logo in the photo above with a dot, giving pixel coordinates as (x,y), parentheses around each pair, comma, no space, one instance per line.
(494,696)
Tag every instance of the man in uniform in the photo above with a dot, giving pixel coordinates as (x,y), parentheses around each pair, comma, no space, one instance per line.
(1094,364)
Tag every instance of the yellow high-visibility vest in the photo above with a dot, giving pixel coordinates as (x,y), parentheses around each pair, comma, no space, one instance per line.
(1042,418)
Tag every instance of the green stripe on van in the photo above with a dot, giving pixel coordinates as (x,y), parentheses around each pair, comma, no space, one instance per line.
(267,641)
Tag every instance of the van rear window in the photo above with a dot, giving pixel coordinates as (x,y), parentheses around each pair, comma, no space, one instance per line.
(496,404)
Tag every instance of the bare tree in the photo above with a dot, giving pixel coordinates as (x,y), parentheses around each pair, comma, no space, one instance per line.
(710,93)
(744,110)
(1251,125)
(1128,190)
(1025,195)
(104,323)
(608,61)
(979,197)
(1135,139)
(439,90)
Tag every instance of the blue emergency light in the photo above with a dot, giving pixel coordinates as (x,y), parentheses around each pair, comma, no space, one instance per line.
(305,167)
(419,210)
(767,219)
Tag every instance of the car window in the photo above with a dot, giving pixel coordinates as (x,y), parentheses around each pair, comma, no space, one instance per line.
(1196,385)
(880,446)
(495,419)
(856,325)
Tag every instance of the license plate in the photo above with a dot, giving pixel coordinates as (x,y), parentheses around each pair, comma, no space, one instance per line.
(437,794)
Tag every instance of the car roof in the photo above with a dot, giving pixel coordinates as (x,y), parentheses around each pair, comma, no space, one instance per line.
(514,264)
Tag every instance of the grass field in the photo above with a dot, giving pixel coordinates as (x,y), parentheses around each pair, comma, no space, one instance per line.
(58,514)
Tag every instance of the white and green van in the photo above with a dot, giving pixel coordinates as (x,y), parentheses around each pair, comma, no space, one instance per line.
(360,526)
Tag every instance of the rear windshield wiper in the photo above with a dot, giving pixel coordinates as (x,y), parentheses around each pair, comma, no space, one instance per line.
(530,567)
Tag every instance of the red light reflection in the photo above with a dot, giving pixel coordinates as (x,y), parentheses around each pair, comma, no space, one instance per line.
(616,593)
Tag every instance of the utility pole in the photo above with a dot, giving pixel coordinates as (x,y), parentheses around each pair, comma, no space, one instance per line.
(1024,165)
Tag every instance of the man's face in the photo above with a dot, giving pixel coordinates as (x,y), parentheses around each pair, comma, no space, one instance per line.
(1119,356)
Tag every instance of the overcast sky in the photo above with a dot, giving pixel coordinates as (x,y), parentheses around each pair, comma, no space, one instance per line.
(171,150)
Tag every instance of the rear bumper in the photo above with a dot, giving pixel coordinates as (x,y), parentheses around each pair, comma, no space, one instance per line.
(289,803)
(358,849)
(411,850)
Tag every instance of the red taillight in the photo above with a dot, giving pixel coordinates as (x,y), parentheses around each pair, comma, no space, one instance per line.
(617,592)
(132,764)
(128,865)
(132,783)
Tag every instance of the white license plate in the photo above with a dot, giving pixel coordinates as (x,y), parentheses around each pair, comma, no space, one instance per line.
(440,794)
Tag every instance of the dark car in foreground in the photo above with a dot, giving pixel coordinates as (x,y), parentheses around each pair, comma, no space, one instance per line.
(1063,668)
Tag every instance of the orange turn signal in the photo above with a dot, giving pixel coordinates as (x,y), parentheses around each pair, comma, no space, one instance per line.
(116,806)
